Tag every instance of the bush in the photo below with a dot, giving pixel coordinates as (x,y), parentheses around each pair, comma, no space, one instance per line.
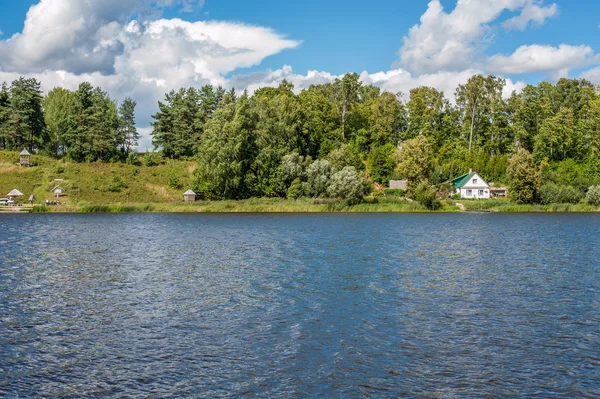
(116,185)
(152,159)
(133,159)
(296,190)
(59,170)
(348,186)
(426,195)
(174,183)
(390,192)
(556,194)
(318,177)
(593,196)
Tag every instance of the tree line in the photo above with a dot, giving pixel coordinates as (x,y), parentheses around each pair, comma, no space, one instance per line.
(279,143)
(84,125)
(244,144)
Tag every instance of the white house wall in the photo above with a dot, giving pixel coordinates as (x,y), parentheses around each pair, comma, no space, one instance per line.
(475,188)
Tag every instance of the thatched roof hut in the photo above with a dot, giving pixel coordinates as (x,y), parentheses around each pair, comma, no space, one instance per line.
(189,196)
(25,158)
(14,194)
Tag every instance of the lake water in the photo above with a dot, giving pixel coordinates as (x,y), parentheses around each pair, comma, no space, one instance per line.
(300,306)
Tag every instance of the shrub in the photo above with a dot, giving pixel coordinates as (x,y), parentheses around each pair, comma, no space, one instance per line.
(133,159)
(174,182)
(556,194)
(593,196)
(116,185)
(152,159)
(390,192)
(59,170)
(426,195)
(318,177)
(296,190)
(348,186)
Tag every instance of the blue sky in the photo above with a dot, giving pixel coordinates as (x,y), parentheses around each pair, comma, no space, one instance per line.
(144,48)
(340,36)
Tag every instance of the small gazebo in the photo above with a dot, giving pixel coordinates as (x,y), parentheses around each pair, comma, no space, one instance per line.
(189,196)
(31,199)
(25,158)
(14,194)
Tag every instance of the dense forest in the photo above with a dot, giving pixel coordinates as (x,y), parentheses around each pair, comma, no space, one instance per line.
(331,140)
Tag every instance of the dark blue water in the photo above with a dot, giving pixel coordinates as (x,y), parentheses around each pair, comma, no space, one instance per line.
(300,306)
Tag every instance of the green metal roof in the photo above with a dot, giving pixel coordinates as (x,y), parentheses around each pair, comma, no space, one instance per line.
(461,181)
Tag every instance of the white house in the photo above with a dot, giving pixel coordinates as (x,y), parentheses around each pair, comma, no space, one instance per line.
(471,186)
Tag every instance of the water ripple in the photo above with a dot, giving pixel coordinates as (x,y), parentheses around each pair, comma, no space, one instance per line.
(300,306)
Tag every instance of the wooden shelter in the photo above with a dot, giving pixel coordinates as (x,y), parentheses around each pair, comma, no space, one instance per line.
(189,196)
(25,158)
(31,199)
(14,194)
(58,191)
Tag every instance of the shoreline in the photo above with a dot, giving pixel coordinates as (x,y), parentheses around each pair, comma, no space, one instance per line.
(273,205)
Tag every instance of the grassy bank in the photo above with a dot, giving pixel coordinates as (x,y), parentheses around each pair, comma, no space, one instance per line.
(254,205)
(117,188)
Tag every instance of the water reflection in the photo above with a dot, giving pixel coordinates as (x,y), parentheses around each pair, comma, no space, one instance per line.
(279,306)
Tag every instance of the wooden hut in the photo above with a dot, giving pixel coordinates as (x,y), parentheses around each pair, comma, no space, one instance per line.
(58,191)
(189,196)
(25,158)
(14,194)
(31,199)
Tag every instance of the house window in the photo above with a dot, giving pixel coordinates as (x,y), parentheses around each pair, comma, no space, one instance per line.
(481,193)
(474,181)
(469,193)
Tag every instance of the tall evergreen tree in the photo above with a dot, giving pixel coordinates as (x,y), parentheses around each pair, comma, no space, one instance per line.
(128,135)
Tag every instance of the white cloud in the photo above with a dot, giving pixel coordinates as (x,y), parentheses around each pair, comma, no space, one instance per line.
(536,58)
(532,12)
(456,41)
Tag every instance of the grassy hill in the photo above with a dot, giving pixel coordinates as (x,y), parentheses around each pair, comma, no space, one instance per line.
(95,183)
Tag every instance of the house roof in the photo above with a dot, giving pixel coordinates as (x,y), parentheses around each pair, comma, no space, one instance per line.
(56,188)
(25,152)
(15,193)
(189,192)
(462,180)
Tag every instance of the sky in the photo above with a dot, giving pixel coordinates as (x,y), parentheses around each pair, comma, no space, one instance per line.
(145,48)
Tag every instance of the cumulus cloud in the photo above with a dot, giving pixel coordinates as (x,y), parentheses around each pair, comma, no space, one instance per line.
(456,41)
(536,58)
(532,12)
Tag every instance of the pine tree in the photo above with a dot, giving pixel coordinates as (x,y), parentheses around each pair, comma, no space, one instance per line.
(128,134)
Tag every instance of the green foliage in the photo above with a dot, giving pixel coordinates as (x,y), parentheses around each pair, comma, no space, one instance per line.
(133,158)
(318,176)
(593,196)
(348,186)
(426,195)
(296,190)
(346,155)
(151,159)
(381,163)
(394,193)
(555,194)
(415,161)
(522,179)
(117,185)
(174,182)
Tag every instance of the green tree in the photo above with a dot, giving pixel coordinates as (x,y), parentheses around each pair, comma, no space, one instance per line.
(381,163)
(128,134)
(227,150)
(25,125)
(348,186)
(415,161)
(60,117)
(522,178)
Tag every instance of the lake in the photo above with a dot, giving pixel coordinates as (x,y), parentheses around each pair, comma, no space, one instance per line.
(300,306)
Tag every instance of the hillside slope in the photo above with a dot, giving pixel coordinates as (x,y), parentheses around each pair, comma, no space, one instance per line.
(95,183)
